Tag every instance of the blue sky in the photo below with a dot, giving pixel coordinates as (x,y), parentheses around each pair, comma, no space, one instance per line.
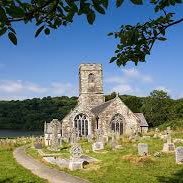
(48,65)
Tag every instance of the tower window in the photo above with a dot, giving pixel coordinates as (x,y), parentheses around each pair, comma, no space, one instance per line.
(91,78)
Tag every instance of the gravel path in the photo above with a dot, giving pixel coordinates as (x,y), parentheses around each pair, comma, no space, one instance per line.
(43,171)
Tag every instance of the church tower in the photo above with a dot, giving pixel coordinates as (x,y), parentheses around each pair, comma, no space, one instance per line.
(91,85)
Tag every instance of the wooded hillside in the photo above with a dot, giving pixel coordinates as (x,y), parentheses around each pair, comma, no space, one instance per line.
(30,114)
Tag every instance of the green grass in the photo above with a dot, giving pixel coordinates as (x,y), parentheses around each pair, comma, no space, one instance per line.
(12,172)
(115,168)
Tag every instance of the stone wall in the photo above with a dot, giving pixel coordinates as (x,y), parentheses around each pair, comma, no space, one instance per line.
(117,106)
(68,121)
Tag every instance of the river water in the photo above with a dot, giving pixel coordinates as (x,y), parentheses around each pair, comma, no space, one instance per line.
(18,133)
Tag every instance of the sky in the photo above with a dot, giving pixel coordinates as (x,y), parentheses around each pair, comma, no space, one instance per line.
(48,65)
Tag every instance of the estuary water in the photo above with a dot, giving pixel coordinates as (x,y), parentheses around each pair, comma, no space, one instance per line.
(18,133)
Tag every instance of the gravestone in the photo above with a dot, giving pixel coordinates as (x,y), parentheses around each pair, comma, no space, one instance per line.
(75,161)
(179,155)
(74,135)
(168,146)
(156,133)
(99,135)
(134,135)
(142,149)
(76,151)
(38,143)
(99,144)
(90,138)
(54,124)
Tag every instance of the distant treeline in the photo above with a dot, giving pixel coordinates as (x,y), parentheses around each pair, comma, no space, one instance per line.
(30,114)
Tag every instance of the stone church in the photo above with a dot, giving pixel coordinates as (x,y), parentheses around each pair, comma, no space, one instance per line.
(92,112)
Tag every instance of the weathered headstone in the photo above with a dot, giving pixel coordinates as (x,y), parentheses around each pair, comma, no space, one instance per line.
(99,135)
(97,146)
(76,151)
(75,161)
(179,155)
(168,146)
(74,135)
(54,138)
(142,149)
(156,133)
(90,138)
(38,143)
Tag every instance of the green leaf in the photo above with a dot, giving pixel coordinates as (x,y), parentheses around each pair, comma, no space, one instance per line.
(12,30)
(3,16)
(105,3)
(39,30)
(98,7)
(3,31)
(47,31)
(110,34)
(15,12)
(162,38)
(119,3)
(12,38)
(91,17)
(137,2)
(113,59)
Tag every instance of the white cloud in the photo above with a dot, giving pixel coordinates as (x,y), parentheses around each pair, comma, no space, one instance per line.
(131,81)
(18,89)
(63,89)
(122,89)
(115,79)
(11,86)
(137,75)
(35,88)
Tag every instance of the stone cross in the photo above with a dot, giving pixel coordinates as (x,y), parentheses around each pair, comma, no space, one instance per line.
(74,135)
(76,151)
(99,135)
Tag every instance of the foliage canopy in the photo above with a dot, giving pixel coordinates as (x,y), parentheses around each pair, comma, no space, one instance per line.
(135,41)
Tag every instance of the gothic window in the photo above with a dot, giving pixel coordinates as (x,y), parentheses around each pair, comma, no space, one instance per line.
(91,78)
(117,123)
(81,123)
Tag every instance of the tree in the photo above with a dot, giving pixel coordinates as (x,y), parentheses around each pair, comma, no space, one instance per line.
(156,108)
(135,41)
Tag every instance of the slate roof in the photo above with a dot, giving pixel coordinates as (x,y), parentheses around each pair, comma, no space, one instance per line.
(142,119)
(98,109)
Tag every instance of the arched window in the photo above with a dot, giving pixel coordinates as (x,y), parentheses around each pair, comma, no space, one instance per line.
(91,78)
(81,123)
(117,123)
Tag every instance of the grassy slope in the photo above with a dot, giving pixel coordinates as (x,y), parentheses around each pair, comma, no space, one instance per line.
(113,168)
(11,172)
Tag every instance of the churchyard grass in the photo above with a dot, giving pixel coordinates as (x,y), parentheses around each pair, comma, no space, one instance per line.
(124,165)
(10,170)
